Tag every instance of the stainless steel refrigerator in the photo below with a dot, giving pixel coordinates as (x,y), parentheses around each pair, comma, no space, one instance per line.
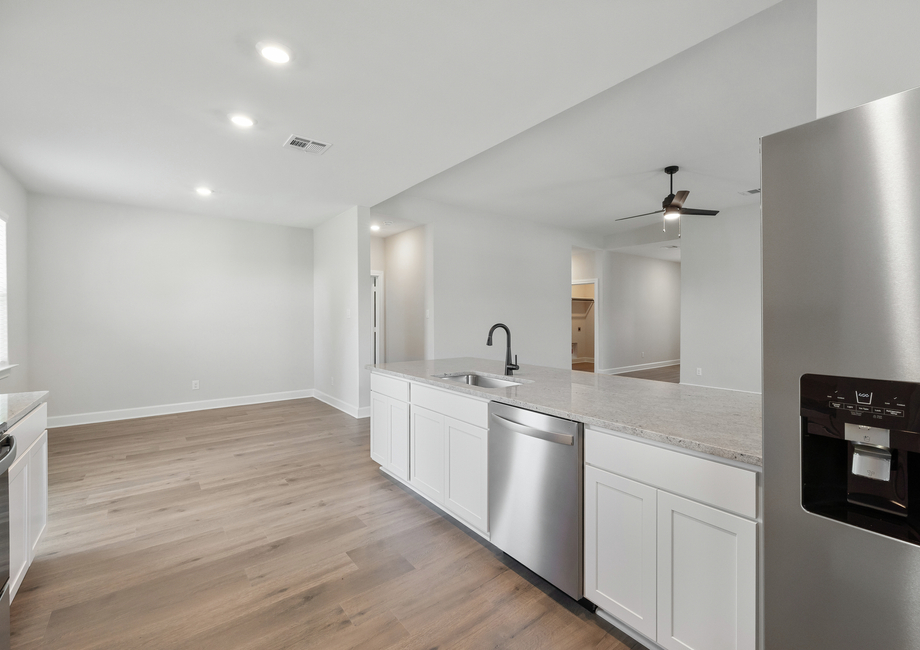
(841,391)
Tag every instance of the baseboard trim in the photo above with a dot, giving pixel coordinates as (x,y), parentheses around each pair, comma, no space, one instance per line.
(169,409)
(355,412)
(641,366)
(583,360)
(627,629)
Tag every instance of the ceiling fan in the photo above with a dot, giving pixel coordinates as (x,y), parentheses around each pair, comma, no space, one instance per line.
(673,205)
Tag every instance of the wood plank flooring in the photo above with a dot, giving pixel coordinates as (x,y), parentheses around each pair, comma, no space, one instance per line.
(667,373)
(266,527)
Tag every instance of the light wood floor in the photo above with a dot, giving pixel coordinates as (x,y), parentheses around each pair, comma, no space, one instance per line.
(668,373)
(266,527)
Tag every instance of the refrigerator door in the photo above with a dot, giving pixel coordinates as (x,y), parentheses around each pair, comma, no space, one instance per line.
(841,296)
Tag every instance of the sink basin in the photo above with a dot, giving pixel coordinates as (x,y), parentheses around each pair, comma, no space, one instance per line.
(475,379)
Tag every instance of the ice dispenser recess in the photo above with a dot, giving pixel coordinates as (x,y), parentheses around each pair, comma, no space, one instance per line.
(861,453)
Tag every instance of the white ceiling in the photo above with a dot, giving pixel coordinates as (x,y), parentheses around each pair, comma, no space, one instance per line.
(127,101)
(662,250)
(703,110)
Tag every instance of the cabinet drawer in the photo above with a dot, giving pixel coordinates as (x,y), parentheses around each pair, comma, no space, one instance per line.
(724,486)
(29,428)
(460,407)
(391,387)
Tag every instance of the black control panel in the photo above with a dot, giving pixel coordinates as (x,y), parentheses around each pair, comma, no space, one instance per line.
(861,453)
(881,403)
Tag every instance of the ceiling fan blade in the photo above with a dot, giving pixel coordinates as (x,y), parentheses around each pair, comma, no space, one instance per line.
(679,199)
(701,213)
(667,200)
(636,216)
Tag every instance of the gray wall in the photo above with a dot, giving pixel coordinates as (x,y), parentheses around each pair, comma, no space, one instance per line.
(404,280)
(866,51)
(129,305)
(720,298)
(337,319)
(640,311)
(487,269)
(13,204)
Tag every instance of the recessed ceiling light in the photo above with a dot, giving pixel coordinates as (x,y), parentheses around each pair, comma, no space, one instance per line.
(375,227)
(203,191)
(242,121)
(274,52)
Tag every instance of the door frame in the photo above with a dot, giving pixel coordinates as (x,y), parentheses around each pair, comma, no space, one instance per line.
(597,317)
(379,303)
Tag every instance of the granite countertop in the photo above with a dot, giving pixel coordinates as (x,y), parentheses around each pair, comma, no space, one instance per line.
(15,406)
(718,422)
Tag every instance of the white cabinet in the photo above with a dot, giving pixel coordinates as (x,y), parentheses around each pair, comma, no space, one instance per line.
(390,424)
(28,484)
(390,434)
(621,520)
(681,572)
(38,491)
(427,457)
(19,522)
(467,475)
(707,580)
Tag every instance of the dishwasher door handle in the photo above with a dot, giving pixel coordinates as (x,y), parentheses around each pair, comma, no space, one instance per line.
(549,436)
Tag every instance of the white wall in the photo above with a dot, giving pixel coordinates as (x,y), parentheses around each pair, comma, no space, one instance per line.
(866,51)
(489,269)
(342,310)
(378,254)
(13,202)
(405,279)
(129,305)
(720,297)
(640,312)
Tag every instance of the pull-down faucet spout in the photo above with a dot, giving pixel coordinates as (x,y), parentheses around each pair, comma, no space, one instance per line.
(509,366)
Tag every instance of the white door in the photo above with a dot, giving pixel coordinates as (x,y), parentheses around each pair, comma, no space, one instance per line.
(467,468)
(706,577)
(621,520)
(380,423)
(426,462)
(398,413)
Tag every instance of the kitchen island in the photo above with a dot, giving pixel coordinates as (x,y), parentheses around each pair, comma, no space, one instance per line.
(713,421)
(672,484)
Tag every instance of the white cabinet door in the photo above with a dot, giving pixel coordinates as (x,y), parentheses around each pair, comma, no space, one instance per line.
(38,491)
(706,577)
(426,463)
(398,445)
(19,521)
(467,469)
(380,422)
(620,548)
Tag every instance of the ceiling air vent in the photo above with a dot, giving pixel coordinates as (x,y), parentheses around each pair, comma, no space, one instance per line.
(306,144)
(750,192)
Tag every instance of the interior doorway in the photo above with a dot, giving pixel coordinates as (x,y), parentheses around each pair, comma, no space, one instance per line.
(378,353)
(584,325)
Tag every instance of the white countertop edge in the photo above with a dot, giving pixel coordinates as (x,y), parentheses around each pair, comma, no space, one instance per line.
(686,443)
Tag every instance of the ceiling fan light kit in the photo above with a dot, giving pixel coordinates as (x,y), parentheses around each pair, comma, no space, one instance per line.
(673,205)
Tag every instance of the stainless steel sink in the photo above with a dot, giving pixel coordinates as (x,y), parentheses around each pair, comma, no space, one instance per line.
(475,379)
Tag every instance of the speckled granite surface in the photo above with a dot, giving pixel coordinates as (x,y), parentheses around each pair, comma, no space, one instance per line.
(718,422)
(14,406)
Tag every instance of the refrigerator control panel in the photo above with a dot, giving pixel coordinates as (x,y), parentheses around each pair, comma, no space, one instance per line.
(874,402)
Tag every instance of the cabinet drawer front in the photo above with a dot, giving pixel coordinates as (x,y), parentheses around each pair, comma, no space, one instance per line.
(467,409)
(724,486)
(29,428)
(389,386)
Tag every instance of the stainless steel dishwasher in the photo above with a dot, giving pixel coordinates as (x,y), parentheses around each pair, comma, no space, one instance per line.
(535,493)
